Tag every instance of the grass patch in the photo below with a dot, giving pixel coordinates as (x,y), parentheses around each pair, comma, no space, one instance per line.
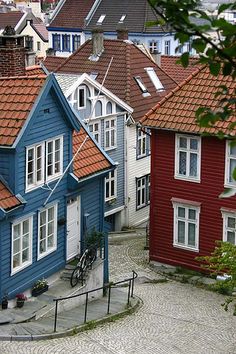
(157,281)
(185,271)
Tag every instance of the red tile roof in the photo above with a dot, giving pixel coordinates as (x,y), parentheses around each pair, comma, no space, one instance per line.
(10,18)
(128,61)
(34,70)
(177,71)
(52,63)
(72,14)
(89,159)
(17,96)
(42,31)
(177,110)
(7,199)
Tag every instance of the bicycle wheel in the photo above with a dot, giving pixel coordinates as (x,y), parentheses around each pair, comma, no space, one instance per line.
(75,276)
(92,255)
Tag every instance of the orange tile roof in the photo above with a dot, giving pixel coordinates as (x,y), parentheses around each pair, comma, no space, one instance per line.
(7,199)
(17,96)
(34,70)
(89,159)
(177,110)
(128,61)
(177,71)
(52,62)
(10,18)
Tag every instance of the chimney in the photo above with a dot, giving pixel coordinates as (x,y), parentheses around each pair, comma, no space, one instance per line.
(12,53)
(97,42)
(122,32)
(157,57)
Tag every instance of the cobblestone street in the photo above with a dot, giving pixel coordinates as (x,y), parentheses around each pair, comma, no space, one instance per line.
(174,317)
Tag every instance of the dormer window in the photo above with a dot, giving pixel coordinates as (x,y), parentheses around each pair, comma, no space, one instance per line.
(142,87)
(78,98)
(155,80)
(122,18)
(101,19)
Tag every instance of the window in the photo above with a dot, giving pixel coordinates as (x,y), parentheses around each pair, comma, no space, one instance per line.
(142,191)
(167,48)
(153,46)
(122,18)
(76,42)
(47,231)
(187,157)
(98,109)
(22,232)
(56,40)
(48,154)
(230,163)
(110,186)
(229,227)
(38,46)
(155,80)
(54,158)
(186,226)
(78,98)
(101,19)
(35,166)
(94,128)
(143,143)
(109,108)
(65,42)
(29,42)
(142,87)
(110,133)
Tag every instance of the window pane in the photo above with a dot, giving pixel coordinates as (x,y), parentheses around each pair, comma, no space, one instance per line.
(193,144)
(231,237)
(16,260)
(232,166)
(182,163)
(42,246)
(16,231)
(42,234)
(181,232)
(192,214)
(25,227)
(231,222)
(16,246)
(232,149)
(183,142)
(25,255)
(181,212)
(25,242)
(193,165)
(191,234)
(42,217)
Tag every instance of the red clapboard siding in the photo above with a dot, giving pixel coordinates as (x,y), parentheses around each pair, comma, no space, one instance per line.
(164,187)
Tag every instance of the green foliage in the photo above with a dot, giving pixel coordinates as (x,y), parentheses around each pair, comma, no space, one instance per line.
(94,238)
(224,287)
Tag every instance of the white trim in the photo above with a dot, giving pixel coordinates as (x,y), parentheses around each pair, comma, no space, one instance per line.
(52,249)
(196,179)
(110,131)
(227,182)
(114,211)
(225,215)
(35,183)
(155,80)
(109,180)
(29,262)
(186,221)
(58,174)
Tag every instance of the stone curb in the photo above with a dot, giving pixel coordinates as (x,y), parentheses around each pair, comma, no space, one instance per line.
(75,330)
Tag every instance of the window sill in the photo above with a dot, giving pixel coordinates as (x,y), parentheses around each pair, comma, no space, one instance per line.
(187,179)
(186,248)
(46,253)
(17,270)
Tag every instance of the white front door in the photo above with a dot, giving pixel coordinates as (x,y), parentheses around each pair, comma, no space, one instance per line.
(73,228)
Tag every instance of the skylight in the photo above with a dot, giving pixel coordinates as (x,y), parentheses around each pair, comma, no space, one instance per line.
(155,80)
(122,18)
(142,86)
(101,19)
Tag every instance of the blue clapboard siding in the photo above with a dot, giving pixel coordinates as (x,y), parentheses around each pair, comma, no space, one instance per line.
(7,160)
(42,126)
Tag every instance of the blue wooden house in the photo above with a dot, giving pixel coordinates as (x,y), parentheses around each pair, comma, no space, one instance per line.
(47,200)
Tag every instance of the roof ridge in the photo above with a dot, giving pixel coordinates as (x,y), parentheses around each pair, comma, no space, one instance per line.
(128,72)
(172,92)
(29,77)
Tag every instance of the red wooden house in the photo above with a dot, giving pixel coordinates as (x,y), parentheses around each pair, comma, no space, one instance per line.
(189,172)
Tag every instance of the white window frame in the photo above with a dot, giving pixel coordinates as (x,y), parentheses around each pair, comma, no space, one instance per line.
(228,158)
(155,80)
(167,45)
(22,265)
(188,152)
(96,133)
(153,46)
(110,134)
(36,183)
(109,180)
(142,144)
(54,175)
(226,227)
(54,247)
(143,187)
(187,221)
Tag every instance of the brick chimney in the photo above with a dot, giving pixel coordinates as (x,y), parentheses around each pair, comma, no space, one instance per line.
(122,32)
(157,57)
(12,53)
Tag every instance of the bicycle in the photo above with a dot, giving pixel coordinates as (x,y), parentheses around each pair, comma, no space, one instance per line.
(84,262)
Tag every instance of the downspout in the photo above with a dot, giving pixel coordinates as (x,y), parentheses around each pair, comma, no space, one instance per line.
(126,176)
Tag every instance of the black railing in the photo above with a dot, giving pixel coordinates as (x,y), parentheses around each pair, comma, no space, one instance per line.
(109,286)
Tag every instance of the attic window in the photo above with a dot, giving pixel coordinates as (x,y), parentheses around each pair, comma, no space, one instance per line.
(122,18)
(101,19)
(155,80)
(142,86)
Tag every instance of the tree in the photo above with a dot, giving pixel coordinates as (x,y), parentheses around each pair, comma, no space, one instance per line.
(192,24)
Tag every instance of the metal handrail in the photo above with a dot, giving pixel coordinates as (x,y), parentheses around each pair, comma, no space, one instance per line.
(105,286)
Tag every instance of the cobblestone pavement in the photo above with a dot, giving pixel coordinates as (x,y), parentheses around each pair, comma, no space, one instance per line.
(175,318)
